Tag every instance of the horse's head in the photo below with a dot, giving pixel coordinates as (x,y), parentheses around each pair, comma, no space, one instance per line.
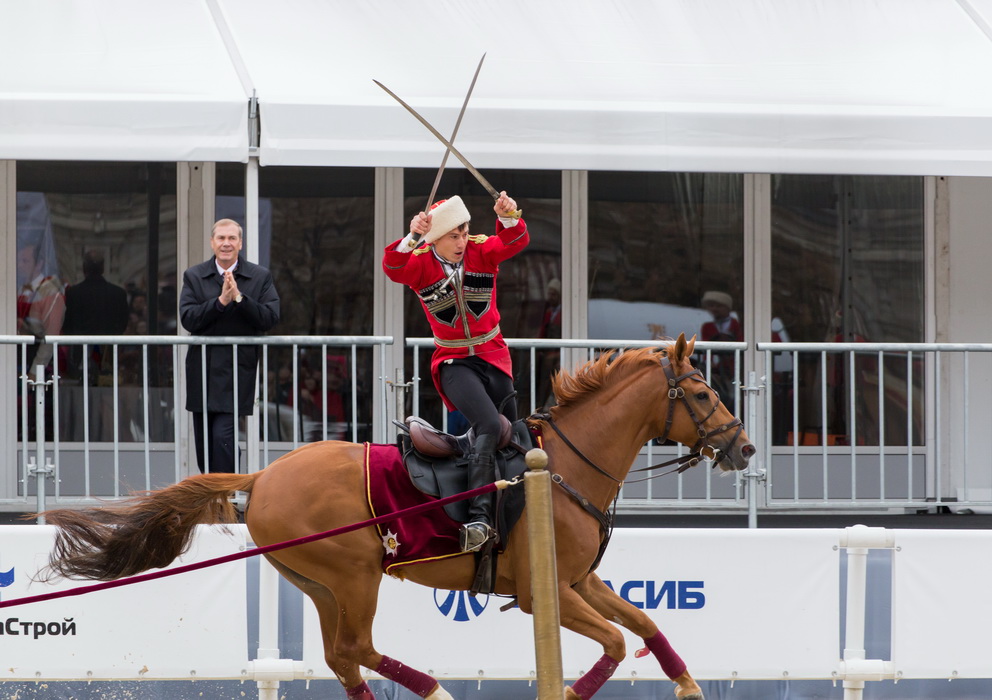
(694,414)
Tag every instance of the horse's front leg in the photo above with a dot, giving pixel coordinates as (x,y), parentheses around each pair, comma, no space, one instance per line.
(611,606)
(577,615)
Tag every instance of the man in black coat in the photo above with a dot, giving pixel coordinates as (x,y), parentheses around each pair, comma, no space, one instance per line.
(224,296)
(93,307)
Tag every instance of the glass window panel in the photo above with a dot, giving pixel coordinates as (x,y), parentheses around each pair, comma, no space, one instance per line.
(524,280)
(847,266)
(657,243)
(123,215)
(314,235)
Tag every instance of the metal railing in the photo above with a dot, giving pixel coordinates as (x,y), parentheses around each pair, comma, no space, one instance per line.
(120,432)
(878,426)
(698,488)
(840,426)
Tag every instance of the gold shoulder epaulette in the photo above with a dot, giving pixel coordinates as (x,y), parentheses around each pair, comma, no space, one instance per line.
(480,238)
(422,249)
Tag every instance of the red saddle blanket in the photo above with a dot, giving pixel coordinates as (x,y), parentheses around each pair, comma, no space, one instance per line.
(408,540)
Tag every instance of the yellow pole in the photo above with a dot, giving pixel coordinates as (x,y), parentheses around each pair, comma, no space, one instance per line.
(544,577)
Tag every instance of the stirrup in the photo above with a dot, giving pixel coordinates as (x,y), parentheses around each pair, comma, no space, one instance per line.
(473,536)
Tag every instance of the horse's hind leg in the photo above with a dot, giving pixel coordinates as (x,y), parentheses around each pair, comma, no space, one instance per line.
(357,598)
(613,607)
(346,604)
(348,673)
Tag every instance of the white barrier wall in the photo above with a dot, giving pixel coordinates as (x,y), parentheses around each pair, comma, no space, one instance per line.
(942,604)
(188,626)
(735,603)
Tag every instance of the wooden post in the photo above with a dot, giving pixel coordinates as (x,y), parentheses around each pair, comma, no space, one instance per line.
(544,577)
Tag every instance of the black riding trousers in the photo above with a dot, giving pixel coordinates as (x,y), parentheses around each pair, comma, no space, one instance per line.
(476,388)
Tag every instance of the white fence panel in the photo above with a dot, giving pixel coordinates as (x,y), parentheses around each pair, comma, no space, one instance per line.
(942,609)
(736,604)
(192,626)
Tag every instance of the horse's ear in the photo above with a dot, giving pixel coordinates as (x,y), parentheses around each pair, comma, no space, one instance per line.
(680,348)
(690,345)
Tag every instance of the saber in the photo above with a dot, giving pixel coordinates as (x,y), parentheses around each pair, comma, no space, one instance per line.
(454,151)
(458,123)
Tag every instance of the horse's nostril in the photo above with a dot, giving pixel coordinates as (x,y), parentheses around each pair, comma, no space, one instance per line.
(748,450)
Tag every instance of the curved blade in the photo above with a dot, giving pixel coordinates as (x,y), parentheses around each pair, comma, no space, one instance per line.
(454,132)
(454,151)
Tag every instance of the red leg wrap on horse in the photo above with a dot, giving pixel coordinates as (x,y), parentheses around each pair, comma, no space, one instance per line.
(410,678)
(671,663)
(593,680)
(360,692)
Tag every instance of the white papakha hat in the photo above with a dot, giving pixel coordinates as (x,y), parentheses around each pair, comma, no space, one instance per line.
(446,215)
(718,298)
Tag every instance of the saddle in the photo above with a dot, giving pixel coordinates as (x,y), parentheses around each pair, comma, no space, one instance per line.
(437,464)
(431,442)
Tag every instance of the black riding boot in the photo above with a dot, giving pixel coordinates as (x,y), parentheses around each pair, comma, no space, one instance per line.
(481,471)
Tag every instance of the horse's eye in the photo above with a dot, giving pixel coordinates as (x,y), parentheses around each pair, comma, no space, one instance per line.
(702,395)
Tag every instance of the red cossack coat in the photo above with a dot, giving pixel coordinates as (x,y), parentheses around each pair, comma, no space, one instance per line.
(466,307)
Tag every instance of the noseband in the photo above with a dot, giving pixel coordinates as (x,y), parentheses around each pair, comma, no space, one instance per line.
(677,393)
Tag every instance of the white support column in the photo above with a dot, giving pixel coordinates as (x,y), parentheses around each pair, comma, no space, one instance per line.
(574,261)
(387,303)
(252,243)
(8,326)
(856,669)
(268,624)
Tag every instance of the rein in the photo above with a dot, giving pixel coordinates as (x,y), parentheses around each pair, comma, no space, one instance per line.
(675,393)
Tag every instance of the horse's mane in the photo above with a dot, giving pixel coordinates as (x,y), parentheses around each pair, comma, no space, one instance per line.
(574,387)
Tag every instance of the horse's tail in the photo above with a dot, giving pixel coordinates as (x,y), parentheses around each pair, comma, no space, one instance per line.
(148,531)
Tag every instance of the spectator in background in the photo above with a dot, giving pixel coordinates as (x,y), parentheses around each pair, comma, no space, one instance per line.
(168,324)
(40,303)
(224,296)
(723,328)
(316,403)
(93,307)
(138,320)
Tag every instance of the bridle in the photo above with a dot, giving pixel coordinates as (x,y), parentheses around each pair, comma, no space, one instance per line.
(676,393)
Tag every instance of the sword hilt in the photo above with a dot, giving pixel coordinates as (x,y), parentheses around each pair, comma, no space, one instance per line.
(515,214)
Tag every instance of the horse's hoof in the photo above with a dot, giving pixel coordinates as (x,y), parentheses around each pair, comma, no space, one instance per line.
(440,694)
(690,696)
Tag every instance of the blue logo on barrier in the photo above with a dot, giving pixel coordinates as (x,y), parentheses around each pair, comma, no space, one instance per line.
(651,595)
(6,577)
(459,605)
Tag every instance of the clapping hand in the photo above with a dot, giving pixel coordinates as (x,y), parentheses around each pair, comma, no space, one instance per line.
(230,289)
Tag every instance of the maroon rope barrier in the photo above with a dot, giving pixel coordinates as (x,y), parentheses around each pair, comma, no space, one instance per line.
(414,510)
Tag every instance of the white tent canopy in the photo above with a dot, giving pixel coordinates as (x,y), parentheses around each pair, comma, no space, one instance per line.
(118,80)
(813,86)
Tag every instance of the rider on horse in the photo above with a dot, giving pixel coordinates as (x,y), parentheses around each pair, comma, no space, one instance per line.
(454,275)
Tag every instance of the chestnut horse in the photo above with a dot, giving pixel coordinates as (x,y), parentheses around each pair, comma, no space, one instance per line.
(607,409)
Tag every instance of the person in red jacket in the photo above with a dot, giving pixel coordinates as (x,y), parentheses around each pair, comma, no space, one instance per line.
(454,275)
(723,327)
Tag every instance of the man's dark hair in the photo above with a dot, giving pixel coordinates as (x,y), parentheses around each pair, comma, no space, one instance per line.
(92,263)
